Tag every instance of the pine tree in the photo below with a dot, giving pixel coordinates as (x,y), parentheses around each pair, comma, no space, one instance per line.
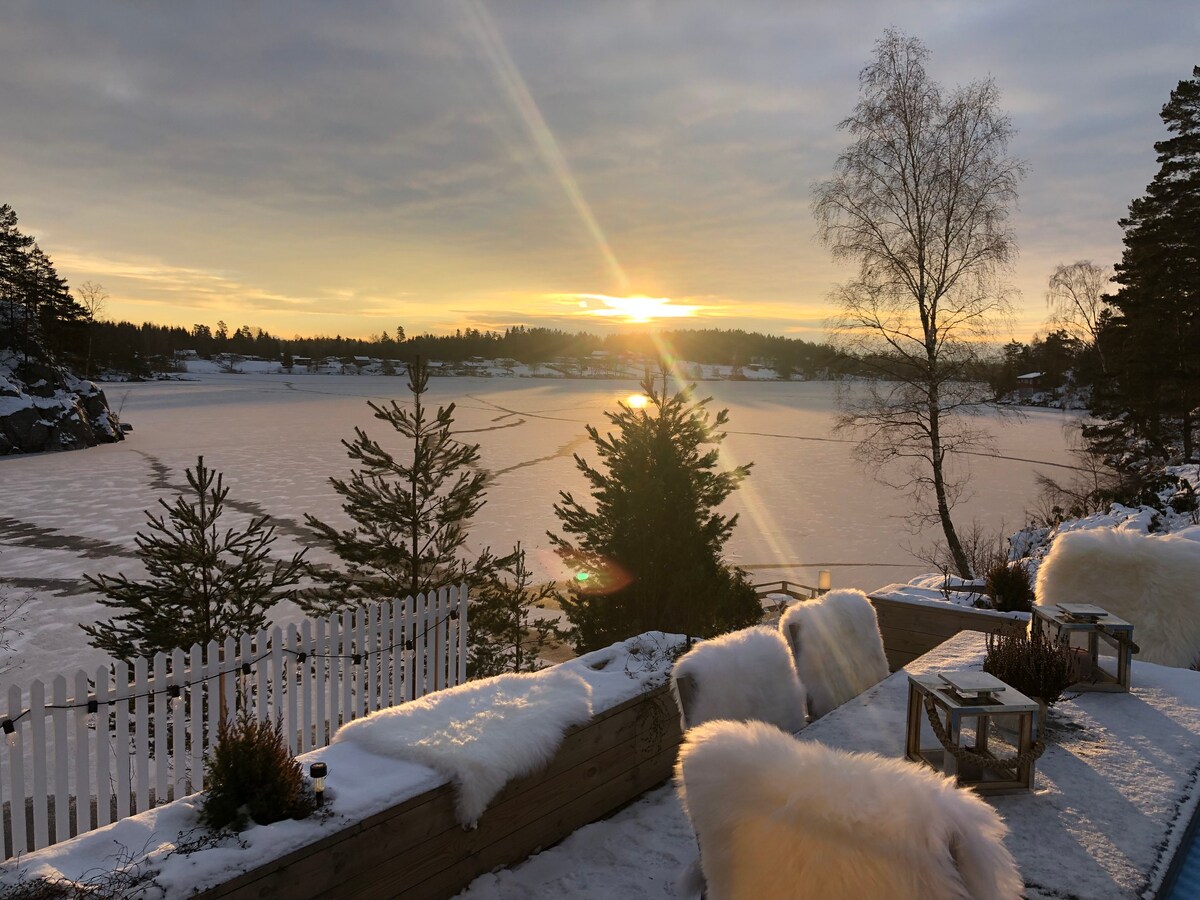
(411,516)
(1157,330)
(648,557)
(202,585)
(504,634)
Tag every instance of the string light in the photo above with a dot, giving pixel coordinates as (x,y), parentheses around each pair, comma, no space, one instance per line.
(93,707)
(10,732)
(176,694)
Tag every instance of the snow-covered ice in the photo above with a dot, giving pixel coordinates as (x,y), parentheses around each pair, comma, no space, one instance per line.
(277,438)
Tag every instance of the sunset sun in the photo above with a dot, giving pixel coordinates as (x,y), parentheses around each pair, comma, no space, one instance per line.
(636,309)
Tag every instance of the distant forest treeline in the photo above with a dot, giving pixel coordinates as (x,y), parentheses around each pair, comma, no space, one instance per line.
(40,313)
(144,349)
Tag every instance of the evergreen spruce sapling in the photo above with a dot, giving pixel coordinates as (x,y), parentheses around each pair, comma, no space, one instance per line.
(250,774)
(648,557)
(203,584)
(504,634)
(410,516)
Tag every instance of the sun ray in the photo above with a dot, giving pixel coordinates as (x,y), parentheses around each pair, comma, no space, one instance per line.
(545,143)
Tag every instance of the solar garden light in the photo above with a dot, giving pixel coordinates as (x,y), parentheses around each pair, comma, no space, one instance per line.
(824,581)
(318,771)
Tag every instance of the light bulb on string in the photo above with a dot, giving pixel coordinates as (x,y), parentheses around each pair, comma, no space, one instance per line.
(93,707)
(176,694)
(10,732)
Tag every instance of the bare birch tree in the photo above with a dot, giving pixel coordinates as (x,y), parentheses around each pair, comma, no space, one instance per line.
(920,201)
(94,300)
(1075,297)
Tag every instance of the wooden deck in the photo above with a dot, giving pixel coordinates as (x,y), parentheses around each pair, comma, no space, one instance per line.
(913,629)
(418,850)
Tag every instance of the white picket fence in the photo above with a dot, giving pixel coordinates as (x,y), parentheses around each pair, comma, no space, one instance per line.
(105,745)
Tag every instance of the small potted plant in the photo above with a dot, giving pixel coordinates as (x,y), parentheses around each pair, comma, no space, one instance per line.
(250,775)
(1009,587)
(1040,667)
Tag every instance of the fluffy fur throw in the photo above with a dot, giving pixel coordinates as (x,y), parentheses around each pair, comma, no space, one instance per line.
(837,647)
(482,734)
(745,674)
(778,818)
(1151,582)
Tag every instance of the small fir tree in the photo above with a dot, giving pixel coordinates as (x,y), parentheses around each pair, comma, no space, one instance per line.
(504,633)
(411,516)
(251,775)
(202,585)
(648,557)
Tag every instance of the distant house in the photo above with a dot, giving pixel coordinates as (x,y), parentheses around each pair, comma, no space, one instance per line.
(1029,384)
(186,354)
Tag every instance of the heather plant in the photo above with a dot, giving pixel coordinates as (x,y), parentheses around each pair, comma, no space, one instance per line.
(251,774)
(1035,664)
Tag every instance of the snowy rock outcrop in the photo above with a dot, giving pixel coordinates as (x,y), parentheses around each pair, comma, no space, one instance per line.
(43,407)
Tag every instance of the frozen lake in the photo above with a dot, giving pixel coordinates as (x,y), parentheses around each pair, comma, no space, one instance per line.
(807,504)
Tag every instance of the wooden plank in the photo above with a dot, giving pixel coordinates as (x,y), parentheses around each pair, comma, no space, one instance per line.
(601,766)
(969,619)
(910,630)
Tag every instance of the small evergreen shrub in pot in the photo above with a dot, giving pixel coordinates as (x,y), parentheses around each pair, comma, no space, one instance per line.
(1009,587)
(250,774)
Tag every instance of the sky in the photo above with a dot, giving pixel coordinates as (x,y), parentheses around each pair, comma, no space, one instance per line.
(317,168)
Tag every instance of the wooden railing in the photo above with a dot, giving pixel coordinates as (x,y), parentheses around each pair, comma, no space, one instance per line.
(911,629)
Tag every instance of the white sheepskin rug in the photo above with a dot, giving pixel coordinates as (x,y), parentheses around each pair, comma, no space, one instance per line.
(837,647)
(745,674)
(778,817)
(481,735)
(1151,582)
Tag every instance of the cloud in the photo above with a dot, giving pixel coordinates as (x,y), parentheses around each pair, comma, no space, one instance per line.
(461,154)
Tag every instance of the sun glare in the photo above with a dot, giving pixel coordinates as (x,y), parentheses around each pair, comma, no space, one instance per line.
(637,401)
(636,309)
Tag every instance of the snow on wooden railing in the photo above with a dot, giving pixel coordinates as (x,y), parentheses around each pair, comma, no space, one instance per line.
(110,743)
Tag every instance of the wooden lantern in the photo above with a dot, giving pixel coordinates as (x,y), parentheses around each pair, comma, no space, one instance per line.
(1083,627)
(956,705)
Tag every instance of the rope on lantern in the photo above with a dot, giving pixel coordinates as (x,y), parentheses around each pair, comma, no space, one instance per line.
(965,754)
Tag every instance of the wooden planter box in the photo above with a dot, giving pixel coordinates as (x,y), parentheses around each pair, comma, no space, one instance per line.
(418,850)
(913,629)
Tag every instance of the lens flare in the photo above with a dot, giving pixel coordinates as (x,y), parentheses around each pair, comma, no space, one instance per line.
(604,577)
